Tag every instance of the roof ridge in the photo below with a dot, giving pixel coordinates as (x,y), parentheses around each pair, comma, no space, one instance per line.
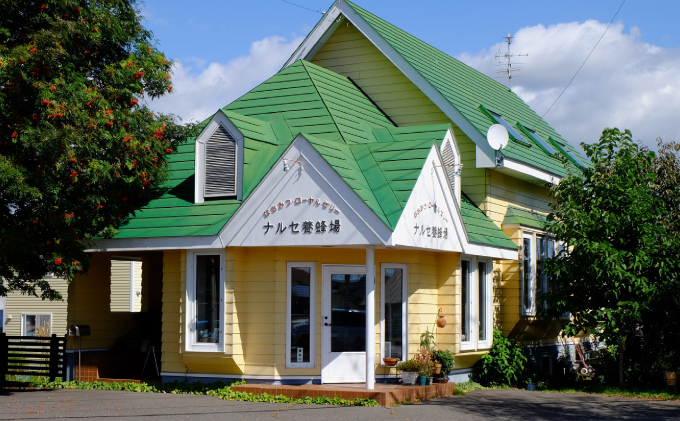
(323,100)
(375,167)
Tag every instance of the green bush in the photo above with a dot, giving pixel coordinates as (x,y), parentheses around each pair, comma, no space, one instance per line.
(504,364)
(409,365)
(445,358)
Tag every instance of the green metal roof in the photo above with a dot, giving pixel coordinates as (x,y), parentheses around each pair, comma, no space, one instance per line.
(473,94)
(379,161)
(517,216)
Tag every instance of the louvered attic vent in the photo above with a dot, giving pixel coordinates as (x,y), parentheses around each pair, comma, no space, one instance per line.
(220,165)
(449,161)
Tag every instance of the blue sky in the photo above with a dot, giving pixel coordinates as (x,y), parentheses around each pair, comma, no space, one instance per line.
(225,48)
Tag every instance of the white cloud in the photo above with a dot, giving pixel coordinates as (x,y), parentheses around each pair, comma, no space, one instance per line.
(199,93)
(625,83)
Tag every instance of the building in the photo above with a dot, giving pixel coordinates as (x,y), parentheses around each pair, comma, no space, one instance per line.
(320,222)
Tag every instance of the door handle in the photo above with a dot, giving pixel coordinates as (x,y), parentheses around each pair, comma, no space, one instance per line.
(326,324)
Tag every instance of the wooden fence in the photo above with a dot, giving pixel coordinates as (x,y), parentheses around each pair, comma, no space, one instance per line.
(33,356)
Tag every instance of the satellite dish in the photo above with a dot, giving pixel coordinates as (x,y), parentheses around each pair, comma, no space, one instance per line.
(497,136)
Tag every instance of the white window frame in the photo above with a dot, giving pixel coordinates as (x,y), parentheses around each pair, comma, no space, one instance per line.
(473,343)
(404,309)
(199,160)
(190,322)
(23,321)
(312,314)
(532,236)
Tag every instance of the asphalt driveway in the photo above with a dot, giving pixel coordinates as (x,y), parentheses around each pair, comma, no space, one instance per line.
(477,405)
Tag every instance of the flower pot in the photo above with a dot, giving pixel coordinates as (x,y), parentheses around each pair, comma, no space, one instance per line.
(428,381)
(390,362)
(441,321)
(437,368)
(671,378)
(409,377)
(422,380)
(440,380)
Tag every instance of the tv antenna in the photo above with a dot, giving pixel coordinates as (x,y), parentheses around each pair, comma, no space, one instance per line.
(508,71)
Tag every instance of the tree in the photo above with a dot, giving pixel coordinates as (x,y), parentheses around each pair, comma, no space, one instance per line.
(79,152)
(618,267)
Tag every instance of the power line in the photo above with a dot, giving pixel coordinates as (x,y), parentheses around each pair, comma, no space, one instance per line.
(303,7)
(584,61)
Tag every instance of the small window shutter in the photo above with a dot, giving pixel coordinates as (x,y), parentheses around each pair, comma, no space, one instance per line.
(449,162)
(220,164)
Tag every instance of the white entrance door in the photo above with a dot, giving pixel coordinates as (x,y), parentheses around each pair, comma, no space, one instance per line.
(343,324)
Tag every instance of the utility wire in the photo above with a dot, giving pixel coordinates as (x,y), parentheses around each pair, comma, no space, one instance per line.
(584,61)
(303,7)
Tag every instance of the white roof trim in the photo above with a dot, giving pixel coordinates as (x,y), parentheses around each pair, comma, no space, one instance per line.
(521,167)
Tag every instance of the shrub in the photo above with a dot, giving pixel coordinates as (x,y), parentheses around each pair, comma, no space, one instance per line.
(445,358)
(504,364)
(409,365)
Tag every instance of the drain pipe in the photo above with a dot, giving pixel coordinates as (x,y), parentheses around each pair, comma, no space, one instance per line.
(370,317)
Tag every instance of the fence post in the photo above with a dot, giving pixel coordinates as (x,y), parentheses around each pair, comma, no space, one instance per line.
(54,357)
(4,358)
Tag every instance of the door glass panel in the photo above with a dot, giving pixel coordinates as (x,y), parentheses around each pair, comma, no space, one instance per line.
(393,312)
(348,314)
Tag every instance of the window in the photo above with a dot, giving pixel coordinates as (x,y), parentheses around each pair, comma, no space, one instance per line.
(301,315)
(394,311)
(536,248)
(126,286)
(205,301)
(572,156)
(218,161)
(509,128)
(37,324)
(476,303)
(541,142)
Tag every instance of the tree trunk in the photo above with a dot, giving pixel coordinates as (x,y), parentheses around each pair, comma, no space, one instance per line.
(622,342)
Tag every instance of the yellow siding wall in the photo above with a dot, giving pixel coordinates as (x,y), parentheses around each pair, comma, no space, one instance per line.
(507,191)
(349,53)
(90,299)
(256,306)
(17,304)
(90,305)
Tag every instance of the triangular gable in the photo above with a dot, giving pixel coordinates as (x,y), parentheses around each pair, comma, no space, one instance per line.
(432,218)
(307,205)
(442,79)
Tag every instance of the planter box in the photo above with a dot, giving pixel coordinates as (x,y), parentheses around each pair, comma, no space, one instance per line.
(409,377)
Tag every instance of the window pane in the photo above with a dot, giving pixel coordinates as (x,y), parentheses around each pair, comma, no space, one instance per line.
(543,143)
(526,286)
(208,299)
(465,301)
(482,301)
(29,325)
(550,253)
(540,256)
(348,315)
(393,313)
(507,126)
(300,278)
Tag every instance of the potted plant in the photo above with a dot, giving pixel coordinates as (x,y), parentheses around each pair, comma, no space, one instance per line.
(409,371)
(390,362)
(445,358)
